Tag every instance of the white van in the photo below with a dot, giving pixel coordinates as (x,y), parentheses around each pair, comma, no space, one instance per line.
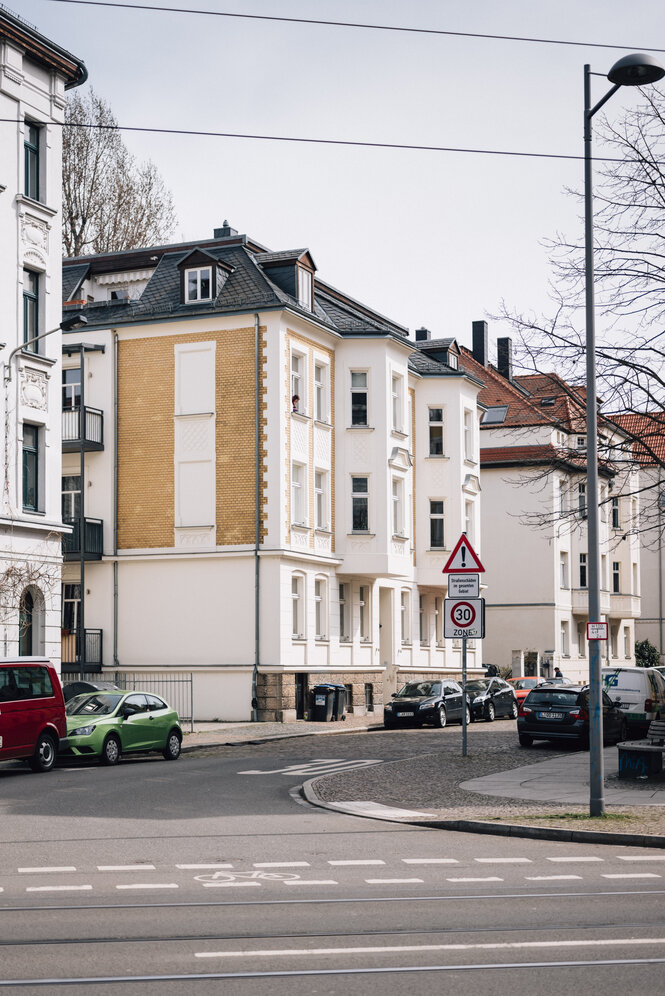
(640,694)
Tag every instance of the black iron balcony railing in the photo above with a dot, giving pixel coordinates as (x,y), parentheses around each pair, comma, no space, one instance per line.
(71,655)
(82,427)
(93,540)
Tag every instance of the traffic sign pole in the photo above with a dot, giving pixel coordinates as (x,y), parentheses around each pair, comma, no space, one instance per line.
(463,696)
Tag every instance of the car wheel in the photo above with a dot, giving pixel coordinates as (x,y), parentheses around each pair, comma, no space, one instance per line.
(490,712)
(45,753)
(513,711)
(111,751)
(468,716)
(441,718)
(525,740)
(173,743)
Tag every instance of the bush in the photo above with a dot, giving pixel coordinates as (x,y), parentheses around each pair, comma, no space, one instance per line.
(646,655)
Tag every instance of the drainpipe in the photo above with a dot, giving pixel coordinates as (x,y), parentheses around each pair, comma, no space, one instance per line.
(257,519)
(115,500)
(82,504)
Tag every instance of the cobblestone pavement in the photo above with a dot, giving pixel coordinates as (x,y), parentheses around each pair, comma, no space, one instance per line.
(422,770)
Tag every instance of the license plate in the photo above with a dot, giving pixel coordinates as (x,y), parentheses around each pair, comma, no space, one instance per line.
(550,715)
(406,714)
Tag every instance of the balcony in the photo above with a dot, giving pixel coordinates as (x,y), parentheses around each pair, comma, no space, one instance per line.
(82,428)
(71,657)
(93,540)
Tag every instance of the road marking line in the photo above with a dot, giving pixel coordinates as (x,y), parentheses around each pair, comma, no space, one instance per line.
(359,861)
(281,864)
(633,875)
(504,861)
(397,949)
(125,868)
(574,858)
(152,885)
(641,857)
(489,879)
(552,878)
(392,881)
(321,881)
(47,870)
(58,888)
(226,885)
(430,861)
(201,867)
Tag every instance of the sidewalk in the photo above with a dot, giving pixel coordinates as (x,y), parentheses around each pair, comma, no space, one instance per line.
(498,789)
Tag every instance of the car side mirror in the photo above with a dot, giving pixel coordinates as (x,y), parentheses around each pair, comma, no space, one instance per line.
(394,695)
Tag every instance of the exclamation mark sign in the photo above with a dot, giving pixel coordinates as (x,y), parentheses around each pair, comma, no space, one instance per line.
(463,552)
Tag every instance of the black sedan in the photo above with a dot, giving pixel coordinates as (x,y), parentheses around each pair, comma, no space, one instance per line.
(420,702)
(491,697)
(561,712)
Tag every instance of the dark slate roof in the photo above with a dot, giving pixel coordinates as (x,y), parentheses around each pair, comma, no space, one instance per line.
(72,278)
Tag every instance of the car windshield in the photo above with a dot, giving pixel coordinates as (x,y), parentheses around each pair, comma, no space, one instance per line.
(552,696)
(418,689)
(479,685)
(95,704)
(524,682)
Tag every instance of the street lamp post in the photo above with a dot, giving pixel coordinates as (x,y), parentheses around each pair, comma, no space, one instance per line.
(633,70)
(72,322)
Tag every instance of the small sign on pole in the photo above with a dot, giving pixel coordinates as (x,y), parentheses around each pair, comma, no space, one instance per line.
(463,559)
(596,631)
(463,586)
(464,617)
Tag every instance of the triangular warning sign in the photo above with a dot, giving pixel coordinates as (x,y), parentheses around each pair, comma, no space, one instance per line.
(463,559)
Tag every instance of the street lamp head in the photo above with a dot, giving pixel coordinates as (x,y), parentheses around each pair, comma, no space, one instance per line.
(636,69)
(73,322)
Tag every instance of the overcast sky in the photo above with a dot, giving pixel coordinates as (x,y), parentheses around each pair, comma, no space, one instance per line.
(428,238)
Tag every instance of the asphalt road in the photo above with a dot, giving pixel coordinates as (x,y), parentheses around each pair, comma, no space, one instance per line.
(212,872)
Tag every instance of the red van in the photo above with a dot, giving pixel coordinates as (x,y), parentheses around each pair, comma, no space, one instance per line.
(32,711)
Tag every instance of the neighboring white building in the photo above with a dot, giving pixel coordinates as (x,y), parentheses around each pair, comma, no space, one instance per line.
(34,74)
(366,460)
(533,460)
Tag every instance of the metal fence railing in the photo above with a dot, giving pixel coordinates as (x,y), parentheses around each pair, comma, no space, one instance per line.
(176,688)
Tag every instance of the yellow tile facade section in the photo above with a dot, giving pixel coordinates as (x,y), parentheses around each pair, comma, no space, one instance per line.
(146,397)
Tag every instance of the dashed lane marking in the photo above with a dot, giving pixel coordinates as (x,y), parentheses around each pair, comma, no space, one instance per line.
(552,878)
(359,861)
(304,881)
(641,857)
(633,875)
(202,867)
(504,861)
(46,870)
(394,881)
(281,864)
(146,885)
(430,861)
(126,868)
(58,888)
(490,878)
(569,858)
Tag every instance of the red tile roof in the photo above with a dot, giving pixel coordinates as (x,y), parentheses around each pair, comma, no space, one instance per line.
(648,432)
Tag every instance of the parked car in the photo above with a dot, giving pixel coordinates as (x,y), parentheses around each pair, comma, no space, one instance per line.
(523,686)
(561,712)
(32,712)
(73,688)
(419,702)
(640,694)
(108,724)
(558,681)
(491,697)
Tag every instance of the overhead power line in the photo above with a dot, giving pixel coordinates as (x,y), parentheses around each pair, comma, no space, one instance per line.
(357,24)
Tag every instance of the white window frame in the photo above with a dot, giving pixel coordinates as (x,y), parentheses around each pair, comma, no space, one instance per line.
(321,608)
(343,592)
(360,388)
(398,506)
(584,571)
(298,503)
(423,622)
(616,517)
(616,577)
(364,495)
(433,423)
(305,287)
(298,379)
(364,613)
(321,502)
(321,404)
(438,617)
(469,441)
(199,271)
(435,516)
(297,607)
(469,520)
(626,642)
(565,639)
(405,618)
(397,403)
(581,499)
(581,639)
(563,569)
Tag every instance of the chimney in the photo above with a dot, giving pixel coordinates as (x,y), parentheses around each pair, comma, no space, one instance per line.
(480,343)
(225,231)
(504,360)
(422,334)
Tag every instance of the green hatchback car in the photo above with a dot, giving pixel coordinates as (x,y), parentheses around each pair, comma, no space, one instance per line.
(109,724)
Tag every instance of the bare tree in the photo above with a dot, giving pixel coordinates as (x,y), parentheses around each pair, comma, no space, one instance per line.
(109,201)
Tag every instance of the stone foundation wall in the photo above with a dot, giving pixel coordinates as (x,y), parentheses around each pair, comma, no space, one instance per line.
(276,693)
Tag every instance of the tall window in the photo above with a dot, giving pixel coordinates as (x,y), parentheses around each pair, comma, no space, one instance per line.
(321,392)
(398,507)
(564,639)
(436,431)
(405,617)
(616,576)
(358,398)
(297,494)
(581,638)
(304,288)
(360,504)
(30,467)
(297,382)
(583,570)
(198,284)
(321,499)
(616,524)
(320,608)
(30,307)
(71,497)
(364,615)
(71,388)
(436,533)
(468,519)
(31,152)
(396,396)
(468,435)
(626,642)
(297,609)
(603,571)
(71,600)
(581,499)
(563,570)
(438,614)
(344,628)
(424,636)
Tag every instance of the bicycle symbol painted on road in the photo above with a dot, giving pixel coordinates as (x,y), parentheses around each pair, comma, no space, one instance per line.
(245,878)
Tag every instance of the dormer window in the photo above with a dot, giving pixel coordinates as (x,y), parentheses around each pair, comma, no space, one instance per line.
(198,285)
(304,288)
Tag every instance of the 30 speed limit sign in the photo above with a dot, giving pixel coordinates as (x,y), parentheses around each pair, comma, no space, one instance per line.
(464,617)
